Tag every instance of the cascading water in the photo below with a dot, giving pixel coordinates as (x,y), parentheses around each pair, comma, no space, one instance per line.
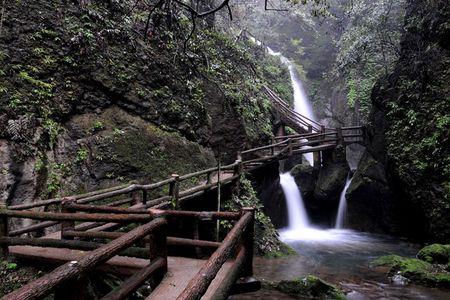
(342,209)
(297,216)
(301,102)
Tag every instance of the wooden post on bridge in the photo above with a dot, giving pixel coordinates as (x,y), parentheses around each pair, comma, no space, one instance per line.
(174,190)
(67,225)
(144,196)
(290,147)
(248,243)
(158,248)
(339,135)
(135,197)
(3,232)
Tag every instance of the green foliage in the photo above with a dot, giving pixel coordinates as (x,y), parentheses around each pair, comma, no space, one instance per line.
(82,155)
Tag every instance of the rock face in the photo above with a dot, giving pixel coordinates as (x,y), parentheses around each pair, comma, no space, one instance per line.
(332,175)
(408,132)
(268,189)
(87,103)
(370,202)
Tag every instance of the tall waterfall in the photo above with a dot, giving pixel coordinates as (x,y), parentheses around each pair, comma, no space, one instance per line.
(297,216)
(342,209)
(301,102)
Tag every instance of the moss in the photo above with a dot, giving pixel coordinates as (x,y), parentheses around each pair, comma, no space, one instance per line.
(436,253)
(310,287)
(416,270)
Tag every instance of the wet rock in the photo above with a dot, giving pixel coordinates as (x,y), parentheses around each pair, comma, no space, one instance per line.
(332,177)
(267,186)
(398,279)
(435,254)
(416,270)
(305,176)
(370,202)
(310,287)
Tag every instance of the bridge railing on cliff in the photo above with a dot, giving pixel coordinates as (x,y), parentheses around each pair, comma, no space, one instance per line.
(290,117)
(151,230)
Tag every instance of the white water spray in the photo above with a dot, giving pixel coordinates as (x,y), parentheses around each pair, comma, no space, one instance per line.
(297,216)
(301,102)
(342,210)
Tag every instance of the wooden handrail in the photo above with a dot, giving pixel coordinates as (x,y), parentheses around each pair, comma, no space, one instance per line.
(198,285)
(52,216)
(72,270)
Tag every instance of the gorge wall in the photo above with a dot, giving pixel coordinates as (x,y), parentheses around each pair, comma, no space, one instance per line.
(87,102)
(404,177)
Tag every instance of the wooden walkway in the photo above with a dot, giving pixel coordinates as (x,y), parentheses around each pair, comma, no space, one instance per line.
(77,223)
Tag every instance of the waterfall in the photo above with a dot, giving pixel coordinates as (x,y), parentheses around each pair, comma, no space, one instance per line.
(342,209)
(301,102)
(297,217)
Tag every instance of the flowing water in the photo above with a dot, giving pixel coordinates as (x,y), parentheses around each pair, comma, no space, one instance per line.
(301,102)
(339,256)
(298,219)
(342,209)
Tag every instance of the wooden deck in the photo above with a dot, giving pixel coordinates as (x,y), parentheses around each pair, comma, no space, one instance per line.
(180,269)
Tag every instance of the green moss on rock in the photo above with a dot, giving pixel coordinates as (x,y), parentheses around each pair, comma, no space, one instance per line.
(310,287)
(416,270)
(436,253)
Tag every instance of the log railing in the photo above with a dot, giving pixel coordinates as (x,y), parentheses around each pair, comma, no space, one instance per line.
(151,231)
(291,115)
(241,235)
(70,273)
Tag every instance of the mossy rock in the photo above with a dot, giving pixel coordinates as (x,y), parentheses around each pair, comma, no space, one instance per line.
(435,254)
(310,287)
(416,270)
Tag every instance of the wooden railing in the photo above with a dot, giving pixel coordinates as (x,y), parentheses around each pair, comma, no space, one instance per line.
(69,274)
(290,116)
(152,231)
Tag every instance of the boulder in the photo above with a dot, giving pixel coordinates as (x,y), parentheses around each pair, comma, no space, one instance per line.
(305,177)
(370,202)
(435,254)
(416,270)
(310,287)
(332,177)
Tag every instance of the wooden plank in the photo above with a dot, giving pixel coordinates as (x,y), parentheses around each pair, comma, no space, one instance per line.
(178,277)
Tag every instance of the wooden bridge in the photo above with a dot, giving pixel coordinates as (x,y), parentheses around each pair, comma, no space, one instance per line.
(138,231)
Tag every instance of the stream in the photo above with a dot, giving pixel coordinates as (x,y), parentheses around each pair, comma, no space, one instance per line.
(337,255)
(341,257)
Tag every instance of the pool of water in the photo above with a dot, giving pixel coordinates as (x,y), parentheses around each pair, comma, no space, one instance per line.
(341,257)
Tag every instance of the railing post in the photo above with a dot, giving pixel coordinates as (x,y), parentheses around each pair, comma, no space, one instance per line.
(272,149)
(67,225)
(198,250)
(144,197)
(339,135)
(174,190)
(248,243)
(135,197)
(3,231)
(158,248)
(290,147)
(239,156)
(208,178)
(238,169)
(310,128)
